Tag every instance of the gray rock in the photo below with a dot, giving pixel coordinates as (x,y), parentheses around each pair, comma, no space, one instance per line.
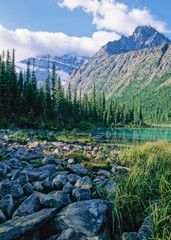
(11,187)
(59,182)
(47,187)
(34,145)
(2,217)
(80,194)
(129,236)
(29,206)
(13,163)
(120,169)
(38,186)
(145,231)
(78,169)
(25,227)
(3,170)
(28,189)
(58,173)
(7,205)
(20,153)
(103,172)
(102,236)
(71,161)
(18,201)
(36,174)
(61,196)
(50,160)
(84,182)
(100,180)
(50,167)
(68,234)
(33,155)
(51,201)
(73,178)
(85,217)
(68,187)
(59,224)
(20,177)
(111,188)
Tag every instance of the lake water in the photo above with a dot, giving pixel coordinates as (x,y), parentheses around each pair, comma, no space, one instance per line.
(133,135)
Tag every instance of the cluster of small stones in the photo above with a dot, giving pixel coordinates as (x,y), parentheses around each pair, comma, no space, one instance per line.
(53,201)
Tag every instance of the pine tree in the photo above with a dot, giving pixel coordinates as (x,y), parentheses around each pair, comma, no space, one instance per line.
(34,80)
(93,103)
(53,82)
(140,117)
(28,74)
(48,93)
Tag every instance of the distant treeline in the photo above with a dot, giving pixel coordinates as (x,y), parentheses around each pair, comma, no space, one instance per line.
(23,103)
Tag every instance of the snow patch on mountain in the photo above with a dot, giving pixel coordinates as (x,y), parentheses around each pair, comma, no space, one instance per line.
(65,65)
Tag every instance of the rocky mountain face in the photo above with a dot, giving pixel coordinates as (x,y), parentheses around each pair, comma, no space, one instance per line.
(129,66)
(64,66)
(129,62)
(143,37)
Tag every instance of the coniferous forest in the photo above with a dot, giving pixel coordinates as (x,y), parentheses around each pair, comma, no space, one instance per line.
(23,103)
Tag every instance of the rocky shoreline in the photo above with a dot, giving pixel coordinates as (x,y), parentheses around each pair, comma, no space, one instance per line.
(50,197)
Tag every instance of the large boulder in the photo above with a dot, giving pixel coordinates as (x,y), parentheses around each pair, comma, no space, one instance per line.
(54,200)
(7,205)
(28,189)
(78,169)
(20,177)
(68,234)
(68,187)
(84,182)
(29,206)
(145,231)
(13,163)
(37,174)
(80,194)
(50,160)
(61,196)
(2,217)
(3,170)
(33,155)
(59,182)
(73,178)
(11,187)
(27,226)
(86,217)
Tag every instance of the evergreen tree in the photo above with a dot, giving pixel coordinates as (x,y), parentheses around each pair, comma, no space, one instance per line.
(48,93)
(93,103)
(53,82)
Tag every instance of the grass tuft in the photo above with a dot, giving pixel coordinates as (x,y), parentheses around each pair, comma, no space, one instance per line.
(145,189)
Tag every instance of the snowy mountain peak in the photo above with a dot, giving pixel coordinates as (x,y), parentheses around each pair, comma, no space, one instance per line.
(64,66)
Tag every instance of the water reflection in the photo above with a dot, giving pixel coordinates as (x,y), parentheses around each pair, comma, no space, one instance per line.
(133,135)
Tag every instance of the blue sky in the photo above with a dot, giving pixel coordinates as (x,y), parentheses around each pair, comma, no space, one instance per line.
(81,27)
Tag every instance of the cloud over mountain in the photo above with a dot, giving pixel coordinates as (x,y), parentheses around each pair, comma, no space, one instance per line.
(115,16)
(30,44)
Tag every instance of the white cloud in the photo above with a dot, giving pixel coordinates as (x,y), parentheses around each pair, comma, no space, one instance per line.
(31,44)
(115,16)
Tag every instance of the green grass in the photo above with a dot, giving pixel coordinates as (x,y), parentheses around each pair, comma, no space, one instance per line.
(89,162)
(146,189)
(19,137)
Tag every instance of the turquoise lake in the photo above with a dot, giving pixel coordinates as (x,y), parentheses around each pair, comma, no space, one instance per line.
(132,135)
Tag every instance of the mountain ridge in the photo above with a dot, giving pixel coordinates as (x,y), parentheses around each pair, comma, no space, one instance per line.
(64,66)
(129,73)
(142,37)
